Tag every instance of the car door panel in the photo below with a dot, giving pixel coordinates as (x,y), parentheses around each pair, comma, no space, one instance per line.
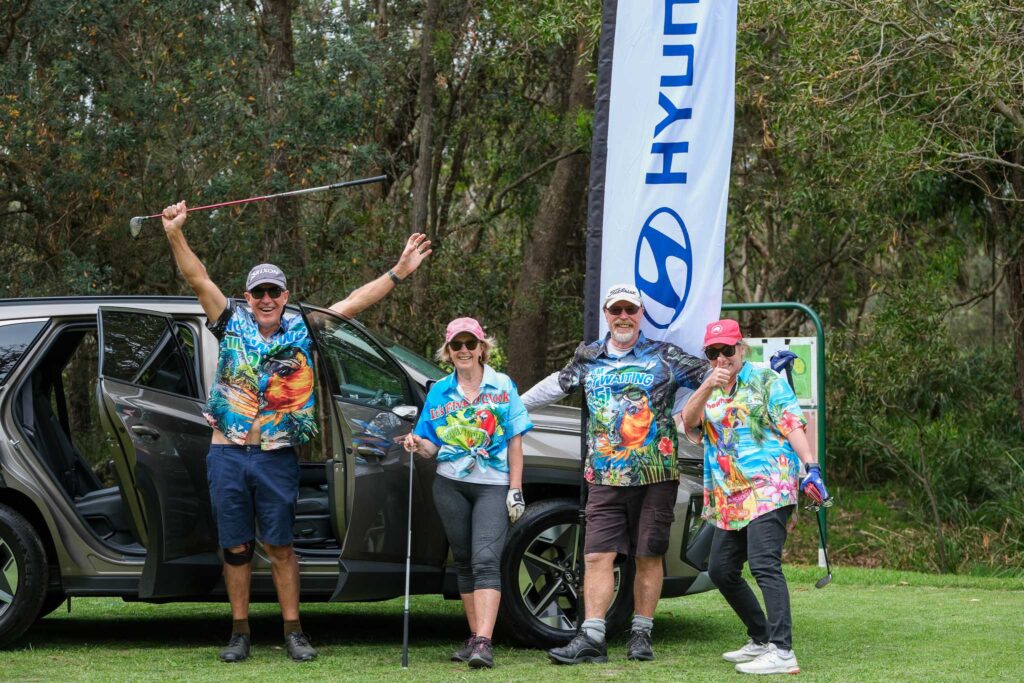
(164,440)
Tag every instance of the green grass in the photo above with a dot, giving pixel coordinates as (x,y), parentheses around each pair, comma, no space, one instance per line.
(868,625)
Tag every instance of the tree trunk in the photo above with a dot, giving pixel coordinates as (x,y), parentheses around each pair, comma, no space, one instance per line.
(552,228)
(281,224)
(1015,276)
(421,182)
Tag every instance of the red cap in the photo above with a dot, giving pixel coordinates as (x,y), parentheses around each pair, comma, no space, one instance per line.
(722,332)
(460,325)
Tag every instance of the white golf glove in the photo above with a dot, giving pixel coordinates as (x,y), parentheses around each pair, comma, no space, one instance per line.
(515,504)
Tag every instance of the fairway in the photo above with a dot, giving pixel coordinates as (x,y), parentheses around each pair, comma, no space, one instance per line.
(868,625)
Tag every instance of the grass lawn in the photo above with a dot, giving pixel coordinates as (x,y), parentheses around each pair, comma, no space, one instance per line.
(868,625)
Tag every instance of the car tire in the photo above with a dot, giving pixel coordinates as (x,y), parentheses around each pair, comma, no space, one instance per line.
(539,584)
(23,575)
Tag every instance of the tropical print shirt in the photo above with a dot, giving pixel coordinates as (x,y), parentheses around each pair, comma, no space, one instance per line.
(265,381)
(631,434)
(473,437)
(749,466)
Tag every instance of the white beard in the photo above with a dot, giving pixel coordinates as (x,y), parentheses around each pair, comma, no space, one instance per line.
(622,337)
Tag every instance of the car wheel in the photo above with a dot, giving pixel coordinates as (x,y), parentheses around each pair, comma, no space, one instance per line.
(540,577)
(23,575)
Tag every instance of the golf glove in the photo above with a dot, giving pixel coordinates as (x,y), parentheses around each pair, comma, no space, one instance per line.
(515,504)
(814,488)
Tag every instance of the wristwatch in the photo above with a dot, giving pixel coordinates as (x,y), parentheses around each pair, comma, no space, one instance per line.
(394,278)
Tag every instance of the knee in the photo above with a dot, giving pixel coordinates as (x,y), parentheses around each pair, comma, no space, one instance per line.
(767,567)
(239,555)
(599,561)
(280,554)
(723,575)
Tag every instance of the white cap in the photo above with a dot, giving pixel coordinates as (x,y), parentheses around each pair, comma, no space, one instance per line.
(622,292)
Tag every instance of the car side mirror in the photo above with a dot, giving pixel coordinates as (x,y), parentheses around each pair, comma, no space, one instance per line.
(407,413)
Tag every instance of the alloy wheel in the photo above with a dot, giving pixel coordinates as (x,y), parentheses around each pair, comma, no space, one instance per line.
(550,577)
(8,576)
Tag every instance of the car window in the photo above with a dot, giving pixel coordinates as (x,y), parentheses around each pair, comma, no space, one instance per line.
(14,339)
(139,348)
(427,368)
(360,370)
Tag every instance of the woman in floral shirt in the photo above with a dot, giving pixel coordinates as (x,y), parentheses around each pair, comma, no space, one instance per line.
(753,432)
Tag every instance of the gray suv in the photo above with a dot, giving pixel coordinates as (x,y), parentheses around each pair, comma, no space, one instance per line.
(103,474)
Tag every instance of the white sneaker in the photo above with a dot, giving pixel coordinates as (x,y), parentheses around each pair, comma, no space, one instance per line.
(748,652)
(771,662)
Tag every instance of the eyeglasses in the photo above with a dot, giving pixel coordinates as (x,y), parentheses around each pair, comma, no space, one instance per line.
(470,344)
(727,351)
(274,292)
(616,311)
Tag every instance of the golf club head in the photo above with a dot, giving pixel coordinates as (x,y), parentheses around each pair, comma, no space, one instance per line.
(824,581)
(135,225)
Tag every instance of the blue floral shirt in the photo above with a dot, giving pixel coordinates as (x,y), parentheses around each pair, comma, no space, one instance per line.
(265,381)
(749,466)
(473,437)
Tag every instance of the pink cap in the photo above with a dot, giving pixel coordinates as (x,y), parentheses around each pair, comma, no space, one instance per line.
(722,332)
(460,325)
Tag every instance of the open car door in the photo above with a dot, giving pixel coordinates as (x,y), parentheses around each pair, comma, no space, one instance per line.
(151,404)
(366,385)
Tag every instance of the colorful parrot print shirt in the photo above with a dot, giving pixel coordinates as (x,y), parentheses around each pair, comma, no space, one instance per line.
(631,434)
(749,466)
(267,381)
(473,437)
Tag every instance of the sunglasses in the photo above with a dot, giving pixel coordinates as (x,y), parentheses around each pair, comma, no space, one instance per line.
(274,292)
(727,351)
(470,344)
(630,309)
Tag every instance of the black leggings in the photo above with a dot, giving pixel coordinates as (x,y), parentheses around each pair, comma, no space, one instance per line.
(476,522)
(759,544)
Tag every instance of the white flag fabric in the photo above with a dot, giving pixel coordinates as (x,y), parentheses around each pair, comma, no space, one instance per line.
(660,164)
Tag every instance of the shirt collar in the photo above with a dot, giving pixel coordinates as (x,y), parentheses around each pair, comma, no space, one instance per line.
(744,374)
(641,341)
(490,379)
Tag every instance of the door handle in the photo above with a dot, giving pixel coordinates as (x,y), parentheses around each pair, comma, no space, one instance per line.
(148,432)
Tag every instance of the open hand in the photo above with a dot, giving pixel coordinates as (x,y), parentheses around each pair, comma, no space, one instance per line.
(417,248)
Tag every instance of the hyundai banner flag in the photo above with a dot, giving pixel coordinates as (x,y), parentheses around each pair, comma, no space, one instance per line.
(662,146)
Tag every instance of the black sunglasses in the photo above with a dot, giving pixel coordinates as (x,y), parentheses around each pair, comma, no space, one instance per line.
(274,292)
(630,309)
(470,344)
(727,351)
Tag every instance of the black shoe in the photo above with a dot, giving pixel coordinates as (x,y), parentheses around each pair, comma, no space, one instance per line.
(298,646)
(482,656)
(639,647)
(580,649)
(237,649)
(463,653)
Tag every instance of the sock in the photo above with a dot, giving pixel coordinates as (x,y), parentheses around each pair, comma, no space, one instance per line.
(594,629)
(240,626)
(292,627)
(642,623)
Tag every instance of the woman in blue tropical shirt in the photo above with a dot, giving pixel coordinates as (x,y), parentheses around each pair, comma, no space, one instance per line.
(473,422)
(753,432)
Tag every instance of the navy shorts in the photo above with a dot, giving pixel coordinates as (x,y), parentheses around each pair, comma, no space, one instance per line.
(253,489)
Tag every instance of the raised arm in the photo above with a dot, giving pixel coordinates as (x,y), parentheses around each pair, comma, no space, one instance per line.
(211,298)
(417,248)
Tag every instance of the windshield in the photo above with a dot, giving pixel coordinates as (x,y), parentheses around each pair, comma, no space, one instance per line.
(416,361)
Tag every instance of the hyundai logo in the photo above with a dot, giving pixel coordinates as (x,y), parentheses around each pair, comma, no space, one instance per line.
(664,264)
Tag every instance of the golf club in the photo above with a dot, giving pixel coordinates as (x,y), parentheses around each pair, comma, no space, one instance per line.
(135,225)
(827,579)
(783,360)
(408,570)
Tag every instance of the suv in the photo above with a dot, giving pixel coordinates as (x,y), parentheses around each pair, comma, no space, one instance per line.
(103,486)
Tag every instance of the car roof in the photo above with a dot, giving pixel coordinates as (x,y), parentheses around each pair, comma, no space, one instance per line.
(44,307)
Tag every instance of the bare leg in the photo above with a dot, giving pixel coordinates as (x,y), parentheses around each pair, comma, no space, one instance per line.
(470,608)
(647,586)
(284,567)
(237,579)
(598,584)
(486,601)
